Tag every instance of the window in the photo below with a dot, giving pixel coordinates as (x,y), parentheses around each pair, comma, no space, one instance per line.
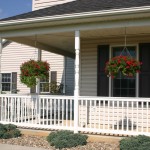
(44,85)
(9,82)
(6,81)
(124,86)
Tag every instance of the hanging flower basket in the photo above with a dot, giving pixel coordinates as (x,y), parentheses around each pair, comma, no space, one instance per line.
(124,64)
(31,70)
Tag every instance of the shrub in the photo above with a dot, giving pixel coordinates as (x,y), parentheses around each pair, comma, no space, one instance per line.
(9,131)
(66,139)
(140,142)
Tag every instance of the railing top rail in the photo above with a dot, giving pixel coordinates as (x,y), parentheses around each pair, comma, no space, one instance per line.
(139,99)
(36,96)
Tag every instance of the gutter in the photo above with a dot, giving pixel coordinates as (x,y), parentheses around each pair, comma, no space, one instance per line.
(84,15)
(5,43)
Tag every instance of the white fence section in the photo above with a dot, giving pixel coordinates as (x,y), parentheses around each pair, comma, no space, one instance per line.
(110,115)
(51,112)
(114,115)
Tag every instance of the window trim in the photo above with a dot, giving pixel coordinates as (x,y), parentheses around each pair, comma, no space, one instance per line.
(137,75)
(9,82)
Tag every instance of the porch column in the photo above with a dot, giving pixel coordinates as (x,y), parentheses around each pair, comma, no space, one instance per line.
(76,90)
(38,80)
(1,46)
(38,89)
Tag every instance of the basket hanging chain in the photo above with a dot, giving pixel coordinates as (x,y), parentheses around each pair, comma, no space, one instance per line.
(125,49)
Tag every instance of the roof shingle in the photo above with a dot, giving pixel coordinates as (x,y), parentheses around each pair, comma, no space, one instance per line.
(80,6)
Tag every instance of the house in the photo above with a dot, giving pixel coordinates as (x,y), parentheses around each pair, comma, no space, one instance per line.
(61,68)
(91,32)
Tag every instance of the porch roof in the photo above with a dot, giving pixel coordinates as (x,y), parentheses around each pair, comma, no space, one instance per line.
(52,29)
(80,6)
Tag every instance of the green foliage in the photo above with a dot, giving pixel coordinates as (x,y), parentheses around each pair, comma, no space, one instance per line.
(31,70)
(140,142)
(66,139)
(9,131)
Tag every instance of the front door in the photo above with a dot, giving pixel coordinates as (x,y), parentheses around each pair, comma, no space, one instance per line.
(123,86)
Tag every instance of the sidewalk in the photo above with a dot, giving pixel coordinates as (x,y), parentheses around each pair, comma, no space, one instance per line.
(16,147)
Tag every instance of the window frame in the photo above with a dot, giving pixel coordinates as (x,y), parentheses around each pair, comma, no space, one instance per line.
(7,82)
(137,75)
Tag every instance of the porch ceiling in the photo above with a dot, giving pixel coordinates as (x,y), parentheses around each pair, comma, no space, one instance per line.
(63,42)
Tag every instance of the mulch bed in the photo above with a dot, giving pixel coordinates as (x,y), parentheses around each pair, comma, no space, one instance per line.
(37,141)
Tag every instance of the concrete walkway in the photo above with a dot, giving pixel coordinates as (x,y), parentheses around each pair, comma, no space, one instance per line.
(16,147)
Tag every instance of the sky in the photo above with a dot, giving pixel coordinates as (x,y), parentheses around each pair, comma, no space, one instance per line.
(14,7)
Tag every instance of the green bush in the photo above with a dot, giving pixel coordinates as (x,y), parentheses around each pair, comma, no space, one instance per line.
(66,139)
(140,142)
(9,131)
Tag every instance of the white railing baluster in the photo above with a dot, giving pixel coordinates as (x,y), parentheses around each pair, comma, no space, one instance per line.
(142,116)
(70,112)
(137,110)
(67,112)
(46,111)
(90,121)
(63,112)
(108,115)
(122,118)
(132,123)
(147,117)
(5,108)
(25,109)
(127,116)
(55,111)
(99,120)
(58,112)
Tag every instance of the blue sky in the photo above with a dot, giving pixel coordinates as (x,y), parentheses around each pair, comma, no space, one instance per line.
(14,7)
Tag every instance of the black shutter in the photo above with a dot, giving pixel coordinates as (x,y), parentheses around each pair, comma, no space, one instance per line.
(33,90)
(102,79)
(53,76)
(144,78)
(14,82)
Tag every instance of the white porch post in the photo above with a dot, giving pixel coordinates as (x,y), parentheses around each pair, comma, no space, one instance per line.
(1,46)
(76,91)
(39,56)
(38,80)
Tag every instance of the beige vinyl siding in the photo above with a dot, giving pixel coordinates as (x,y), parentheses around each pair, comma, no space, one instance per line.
(56,63)
(13,55)
(39,4)
(88,70)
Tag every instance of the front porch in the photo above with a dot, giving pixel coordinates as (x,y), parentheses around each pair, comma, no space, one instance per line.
(111,116)
(79,36)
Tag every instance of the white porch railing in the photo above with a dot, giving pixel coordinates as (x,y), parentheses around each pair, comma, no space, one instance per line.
(51,112)
(128,116)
